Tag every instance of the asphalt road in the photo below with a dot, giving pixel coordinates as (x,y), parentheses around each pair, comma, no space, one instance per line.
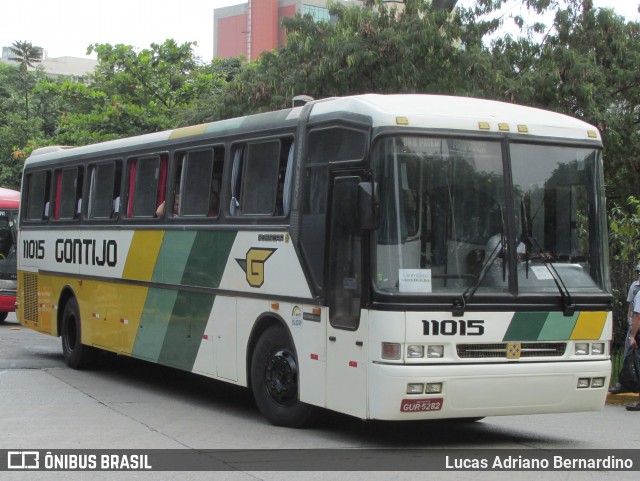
(129,404)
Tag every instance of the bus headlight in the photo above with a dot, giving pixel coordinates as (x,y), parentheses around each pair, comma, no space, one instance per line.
(583,382)
(435,351)
(415,351)
(582,348)
(597,382)
(415,388)
(597,348)
(434,388)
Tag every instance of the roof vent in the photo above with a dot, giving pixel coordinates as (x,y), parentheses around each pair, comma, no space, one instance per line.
(300,100)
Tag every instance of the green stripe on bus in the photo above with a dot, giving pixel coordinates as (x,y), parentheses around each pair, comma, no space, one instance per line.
(525,326)
(173,256)
(153,323)
(208,258)
(558,327)
(185,330)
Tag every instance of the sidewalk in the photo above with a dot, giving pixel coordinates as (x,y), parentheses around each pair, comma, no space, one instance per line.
(625,399)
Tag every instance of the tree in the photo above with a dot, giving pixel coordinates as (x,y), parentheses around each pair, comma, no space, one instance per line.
(586,65)
(624,246)
(370,48)
(27,55)
(132,92)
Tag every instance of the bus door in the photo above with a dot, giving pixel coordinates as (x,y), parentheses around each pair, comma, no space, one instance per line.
(347,328)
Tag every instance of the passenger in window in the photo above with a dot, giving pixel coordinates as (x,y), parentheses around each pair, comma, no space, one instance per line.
(176,207)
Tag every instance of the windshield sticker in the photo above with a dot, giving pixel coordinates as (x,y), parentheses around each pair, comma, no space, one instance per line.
(415,280)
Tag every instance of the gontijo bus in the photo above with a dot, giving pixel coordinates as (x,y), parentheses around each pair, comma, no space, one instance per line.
(397,257)
(9,202)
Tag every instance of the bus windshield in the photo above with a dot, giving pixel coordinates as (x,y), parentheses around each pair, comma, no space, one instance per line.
(454,217)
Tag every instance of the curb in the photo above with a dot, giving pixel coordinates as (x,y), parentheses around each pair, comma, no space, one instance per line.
(625,399)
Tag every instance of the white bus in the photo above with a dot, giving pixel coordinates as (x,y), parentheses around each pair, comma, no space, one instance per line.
(399,257)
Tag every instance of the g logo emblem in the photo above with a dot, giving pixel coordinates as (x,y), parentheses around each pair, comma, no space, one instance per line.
(253,265)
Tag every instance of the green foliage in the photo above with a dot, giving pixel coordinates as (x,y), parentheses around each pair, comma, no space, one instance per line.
(624,245)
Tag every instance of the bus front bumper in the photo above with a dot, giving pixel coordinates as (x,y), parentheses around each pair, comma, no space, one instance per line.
(479,390)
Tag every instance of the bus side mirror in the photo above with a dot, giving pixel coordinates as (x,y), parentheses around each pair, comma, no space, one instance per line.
(368,205)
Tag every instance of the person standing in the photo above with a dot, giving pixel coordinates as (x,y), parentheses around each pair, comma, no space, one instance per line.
(633,340)
(634,289)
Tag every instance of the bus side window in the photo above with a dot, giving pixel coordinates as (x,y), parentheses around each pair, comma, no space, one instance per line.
(200,186)
(38,190)
(147,180)
(104,188)
(260,183)
(68,193)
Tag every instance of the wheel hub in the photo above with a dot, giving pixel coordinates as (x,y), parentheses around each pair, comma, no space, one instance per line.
(281,378)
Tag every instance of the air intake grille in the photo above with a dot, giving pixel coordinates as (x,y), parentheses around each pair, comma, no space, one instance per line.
(30,297)
(499,350)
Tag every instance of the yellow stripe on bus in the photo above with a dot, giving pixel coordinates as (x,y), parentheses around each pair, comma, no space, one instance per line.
(143,254)
(589,325)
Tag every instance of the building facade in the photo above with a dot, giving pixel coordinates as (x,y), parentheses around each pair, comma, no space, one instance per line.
(254,27)
(57,66)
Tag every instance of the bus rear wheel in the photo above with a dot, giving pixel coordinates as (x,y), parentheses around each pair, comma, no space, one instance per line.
(275,378)
(76,354)
(3,316)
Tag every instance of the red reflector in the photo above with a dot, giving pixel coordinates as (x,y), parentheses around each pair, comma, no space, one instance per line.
(353,364)
(205,337)
(418,405)
(314,357)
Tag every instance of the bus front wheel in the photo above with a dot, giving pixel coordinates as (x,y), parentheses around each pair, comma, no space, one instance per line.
(275,378)
(76,354)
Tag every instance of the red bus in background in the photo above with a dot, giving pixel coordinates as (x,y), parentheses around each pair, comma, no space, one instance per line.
(9,203)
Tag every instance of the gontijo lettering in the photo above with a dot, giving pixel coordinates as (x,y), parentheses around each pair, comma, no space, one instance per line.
(87,252)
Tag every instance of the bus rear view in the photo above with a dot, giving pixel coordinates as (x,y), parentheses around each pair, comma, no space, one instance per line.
(9,203)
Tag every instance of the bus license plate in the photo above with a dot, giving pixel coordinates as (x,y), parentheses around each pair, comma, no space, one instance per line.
(419,405)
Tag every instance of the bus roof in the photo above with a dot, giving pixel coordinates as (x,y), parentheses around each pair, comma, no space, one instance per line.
(461,113)
(397,110)
(9,199)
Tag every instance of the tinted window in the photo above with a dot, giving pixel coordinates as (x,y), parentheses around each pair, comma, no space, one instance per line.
(261,178)
(104,191)
(68,193)
(38,195)
(336,144)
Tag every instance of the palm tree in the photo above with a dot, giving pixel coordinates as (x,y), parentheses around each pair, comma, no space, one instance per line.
(26,55)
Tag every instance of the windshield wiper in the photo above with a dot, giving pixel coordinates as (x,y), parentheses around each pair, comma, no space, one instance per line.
(568,307)
(459,304)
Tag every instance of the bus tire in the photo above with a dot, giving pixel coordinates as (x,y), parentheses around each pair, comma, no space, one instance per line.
(76,354)
(3,316)
(275,380)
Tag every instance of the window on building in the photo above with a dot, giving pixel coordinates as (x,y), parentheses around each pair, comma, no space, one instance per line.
(319,14)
